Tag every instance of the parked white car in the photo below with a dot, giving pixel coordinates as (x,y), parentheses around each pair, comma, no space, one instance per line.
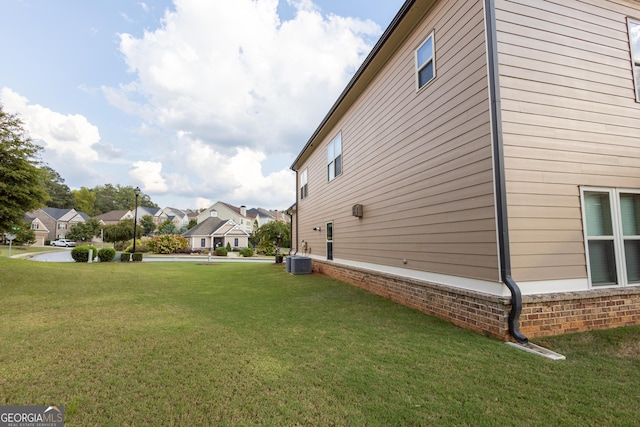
(63,242)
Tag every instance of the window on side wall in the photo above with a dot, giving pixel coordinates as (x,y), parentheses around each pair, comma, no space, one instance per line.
(304,189)
(425,62)
(203,243)
(612,224)
(334,157)
(634,42)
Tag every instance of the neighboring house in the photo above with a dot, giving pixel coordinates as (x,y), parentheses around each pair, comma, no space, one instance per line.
(483,166)
(264,216)
(39,229)
(114,217)
(158,215)
(58,221)
(179,217)
(226,211)
(215,232)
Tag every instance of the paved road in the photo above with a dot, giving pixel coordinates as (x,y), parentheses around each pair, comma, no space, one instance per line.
(65,256)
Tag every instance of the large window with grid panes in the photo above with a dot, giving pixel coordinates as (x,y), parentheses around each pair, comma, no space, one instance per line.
(612,234)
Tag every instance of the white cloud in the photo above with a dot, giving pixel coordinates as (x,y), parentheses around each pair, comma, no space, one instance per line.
(210,174)
(69,135)
(202,203)
(231,73)
(149,174)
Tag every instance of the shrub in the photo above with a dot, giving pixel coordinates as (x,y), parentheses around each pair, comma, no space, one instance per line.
(125,257)
(106,254)
(221,251)
(246,252)
(167,244)
(266,248)
(81,253)
(136,257)
(228,247)
(141,246)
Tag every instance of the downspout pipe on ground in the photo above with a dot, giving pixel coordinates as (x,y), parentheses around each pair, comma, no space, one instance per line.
(499,170)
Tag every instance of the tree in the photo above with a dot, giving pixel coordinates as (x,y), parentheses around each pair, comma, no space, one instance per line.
(24,234)
(109,198)
(147,224)
(59,194)
(85,231)
(85,200)
(22,181)
(121,232)
(167,227)
(272,234)
(192,223)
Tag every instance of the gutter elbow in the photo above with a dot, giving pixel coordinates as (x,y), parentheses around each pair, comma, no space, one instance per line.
(516,309)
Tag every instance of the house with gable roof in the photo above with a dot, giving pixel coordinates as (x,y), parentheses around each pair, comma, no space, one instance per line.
(39,229)
(482,166)
(114,217)
(158,215)
(216,232)
(179,217)
(226,211)
(58,221)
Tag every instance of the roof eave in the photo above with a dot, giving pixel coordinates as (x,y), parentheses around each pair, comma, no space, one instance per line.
(356,77)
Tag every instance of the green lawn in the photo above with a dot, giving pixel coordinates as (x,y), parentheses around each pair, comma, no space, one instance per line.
(196,344)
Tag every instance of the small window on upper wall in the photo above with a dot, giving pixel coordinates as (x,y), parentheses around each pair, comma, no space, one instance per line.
(334,157)
(304,190)
(634,41)
(425,62)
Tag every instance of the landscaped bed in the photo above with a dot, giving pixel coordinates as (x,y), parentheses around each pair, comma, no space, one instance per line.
(248,344)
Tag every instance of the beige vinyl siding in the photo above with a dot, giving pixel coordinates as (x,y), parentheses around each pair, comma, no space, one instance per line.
(419,162)
(569,119)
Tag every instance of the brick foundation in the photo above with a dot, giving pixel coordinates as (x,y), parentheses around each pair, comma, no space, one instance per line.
(562,313)
(542,315)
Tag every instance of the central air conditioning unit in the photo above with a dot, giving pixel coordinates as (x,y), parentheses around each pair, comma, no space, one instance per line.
(300,265)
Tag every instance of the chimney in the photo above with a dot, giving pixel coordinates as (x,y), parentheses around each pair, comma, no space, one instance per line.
(243,210)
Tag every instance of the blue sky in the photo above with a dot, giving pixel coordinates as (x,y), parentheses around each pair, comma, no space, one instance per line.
(192,100)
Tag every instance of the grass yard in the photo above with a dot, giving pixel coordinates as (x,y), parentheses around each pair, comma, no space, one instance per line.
(190,344)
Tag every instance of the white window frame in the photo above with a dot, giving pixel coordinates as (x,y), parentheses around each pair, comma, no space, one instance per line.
(332,158)
(304,188)
(429,60)
(633,27)
(618,237)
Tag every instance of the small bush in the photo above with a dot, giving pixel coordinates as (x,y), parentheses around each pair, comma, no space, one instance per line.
(106,254)
(141,246)
(246,252)
(228,247)
(81,253)
(136,257)
(221,252)
(125,257)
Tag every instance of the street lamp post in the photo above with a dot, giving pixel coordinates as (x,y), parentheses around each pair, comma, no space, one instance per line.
(135,218)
